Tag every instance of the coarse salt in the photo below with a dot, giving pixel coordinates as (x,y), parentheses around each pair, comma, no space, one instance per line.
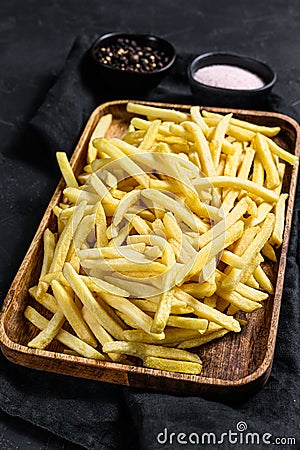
(228,77)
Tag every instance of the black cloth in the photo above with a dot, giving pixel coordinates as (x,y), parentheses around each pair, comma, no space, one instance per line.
(100,416)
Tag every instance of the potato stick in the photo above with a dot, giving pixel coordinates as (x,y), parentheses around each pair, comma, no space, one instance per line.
(88,300)
(189,323)
(218,137)
(83,230)
(72,313)
(148,306)
(128,321)
(236,183)
(163,309)
(198,119)
(123,265)
(110,252)
(150,136)
(75,195)
(269,252)
(227,147)
(206,312)
(277,235)
(235,275)
(194,158)
(171,365)
(142,320)
(204,339)
(97,285)
(55,276)
(210,301)
(216,246)
(172,228)
(128,164)
(283,154)
(221,166)
(45,299)
(258,175)
(262,211)
(262,149)
(251,293)
(126,147)
(162,147)
(199,290)
(134,138)
(236,299)
(237,132)
(175,301)
(202,148)
(140,225)
(232,259)
(48,334)
(49,248)
(222,305)
(172,336)
(66,169)
(101,190)
(243,243)
(64,241)
(99,131)
(159,113)
(267,131)
(100,226)
(233,161)
(263,280)
(251,282)
(168,257)
(223,225)
(169,203)
(172,140)
(100,333)
(142,350)
(63,336)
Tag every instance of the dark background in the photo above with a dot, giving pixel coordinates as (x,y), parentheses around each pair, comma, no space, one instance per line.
(35,39)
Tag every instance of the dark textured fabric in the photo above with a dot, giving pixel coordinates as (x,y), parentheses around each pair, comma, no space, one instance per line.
(100,416)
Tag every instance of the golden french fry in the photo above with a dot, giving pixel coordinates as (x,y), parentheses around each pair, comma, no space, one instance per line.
(277,235)
(143,350)
(66,169)
(99,131)
(72,313)
(49,332)
(171,365)
(70,341)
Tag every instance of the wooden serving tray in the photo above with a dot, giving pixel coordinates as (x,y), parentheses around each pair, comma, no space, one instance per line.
(235,366)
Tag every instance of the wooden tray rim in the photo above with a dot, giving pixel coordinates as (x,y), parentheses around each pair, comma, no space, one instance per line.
(7,343)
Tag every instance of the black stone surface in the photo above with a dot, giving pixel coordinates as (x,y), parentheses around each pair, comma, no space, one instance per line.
(35,40)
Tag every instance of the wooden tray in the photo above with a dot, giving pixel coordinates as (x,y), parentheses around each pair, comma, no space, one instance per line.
(234,367)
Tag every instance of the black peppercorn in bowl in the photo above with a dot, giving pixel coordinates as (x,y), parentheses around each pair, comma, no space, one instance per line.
(132,62)
(230,80)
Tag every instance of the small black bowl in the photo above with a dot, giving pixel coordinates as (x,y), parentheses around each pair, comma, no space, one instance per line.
(128,80)
(235,98)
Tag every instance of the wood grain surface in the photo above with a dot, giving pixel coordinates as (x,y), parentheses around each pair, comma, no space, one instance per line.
(235,366)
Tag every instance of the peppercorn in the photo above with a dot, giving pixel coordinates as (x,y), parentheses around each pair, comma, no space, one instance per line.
(126,54)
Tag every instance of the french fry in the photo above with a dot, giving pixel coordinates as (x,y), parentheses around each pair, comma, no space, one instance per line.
(72,313)
(49,332)
(277,234)
(143,350)
(66,169)
(171,365)
(86,297)
(63,336)
(100,130)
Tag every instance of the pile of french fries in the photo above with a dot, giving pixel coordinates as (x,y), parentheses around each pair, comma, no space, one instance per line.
(160,240)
